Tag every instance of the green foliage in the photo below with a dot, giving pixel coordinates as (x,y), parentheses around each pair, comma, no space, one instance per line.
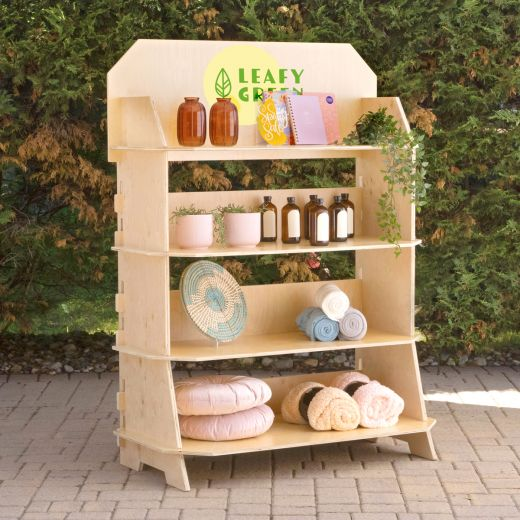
(454,65)
(374,127)
(405,168)
(232,208)
(191,210)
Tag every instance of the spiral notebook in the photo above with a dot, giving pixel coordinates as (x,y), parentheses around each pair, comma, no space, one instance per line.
(306,119)
(329,112)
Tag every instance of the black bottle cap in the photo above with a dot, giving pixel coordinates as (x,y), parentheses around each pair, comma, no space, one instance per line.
(320,202)
(313,197)
(337,198)
(291,200)
(344,196)
(267,198)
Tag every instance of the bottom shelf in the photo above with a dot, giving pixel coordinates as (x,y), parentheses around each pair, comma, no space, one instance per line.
(284,435)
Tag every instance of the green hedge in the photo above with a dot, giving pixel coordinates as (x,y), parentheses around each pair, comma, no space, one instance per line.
(453,63)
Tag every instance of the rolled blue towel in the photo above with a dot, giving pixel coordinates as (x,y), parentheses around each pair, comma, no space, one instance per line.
(316,325)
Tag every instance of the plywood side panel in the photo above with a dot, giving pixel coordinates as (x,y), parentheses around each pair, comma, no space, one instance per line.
(134,122)
(142,182)
(271,308)
(150,410)
(143,295)
(388,289)
(209,200)
(153,68)
(370,169)
(398,369)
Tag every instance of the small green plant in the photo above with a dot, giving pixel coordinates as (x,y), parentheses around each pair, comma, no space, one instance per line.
(232,208)
(405,167)
(191,210)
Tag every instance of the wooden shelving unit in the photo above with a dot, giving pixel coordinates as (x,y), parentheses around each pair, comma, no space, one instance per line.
(144,89)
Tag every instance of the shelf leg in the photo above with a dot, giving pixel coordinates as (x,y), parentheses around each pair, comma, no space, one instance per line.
(397,367)
(172,464)
(420,444)
(129,455)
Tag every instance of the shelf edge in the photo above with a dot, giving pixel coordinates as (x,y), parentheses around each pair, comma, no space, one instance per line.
(426,425)
(176,253)
(283,352)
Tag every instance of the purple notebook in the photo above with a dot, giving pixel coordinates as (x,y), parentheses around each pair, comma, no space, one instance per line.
(306,119)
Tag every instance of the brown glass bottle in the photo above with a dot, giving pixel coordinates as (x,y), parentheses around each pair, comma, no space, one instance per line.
(319,225)
(191,122)
(269,220)
(223,123)
(291,232)
(349,205)
(306,216)
(338,222)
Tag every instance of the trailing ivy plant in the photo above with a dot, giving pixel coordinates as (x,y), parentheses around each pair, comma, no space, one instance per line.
(405,167)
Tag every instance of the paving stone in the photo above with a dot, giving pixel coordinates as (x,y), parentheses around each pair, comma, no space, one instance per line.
(381,498)
(163,514)
(334,516)
(203,515)
(195,503)
(249,496)
(65,507)
(293,511)
(10,511)
(254,509)
(122,513)
(374,516)
(484,511)
(428,507)
(383,508)
(99,506)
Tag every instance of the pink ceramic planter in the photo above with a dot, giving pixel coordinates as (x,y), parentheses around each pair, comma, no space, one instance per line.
(242,229)
(194,231)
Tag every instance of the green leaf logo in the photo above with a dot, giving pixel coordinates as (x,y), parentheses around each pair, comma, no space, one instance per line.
(222,84)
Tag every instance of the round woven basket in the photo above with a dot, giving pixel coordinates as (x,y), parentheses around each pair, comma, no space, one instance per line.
(213,300)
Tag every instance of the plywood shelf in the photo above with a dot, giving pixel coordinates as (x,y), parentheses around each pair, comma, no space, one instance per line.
(283,435)
(265,345)
(255,152)
(352,244)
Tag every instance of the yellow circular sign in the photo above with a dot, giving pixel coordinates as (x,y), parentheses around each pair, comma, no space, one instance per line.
(242,73)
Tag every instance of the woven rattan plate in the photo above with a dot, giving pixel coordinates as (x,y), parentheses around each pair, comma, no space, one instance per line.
(213,300)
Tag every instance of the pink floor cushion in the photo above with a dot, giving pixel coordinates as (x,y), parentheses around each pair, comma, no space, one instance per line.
(229,427)
(220,394)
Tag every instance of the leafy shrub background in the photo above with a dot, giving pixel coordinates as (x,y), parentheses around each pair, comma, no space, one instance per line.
(455,64)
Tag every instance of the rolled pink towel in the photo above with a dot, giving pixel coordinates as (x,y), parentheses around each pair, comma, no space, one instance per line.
(379,405)
(343,379)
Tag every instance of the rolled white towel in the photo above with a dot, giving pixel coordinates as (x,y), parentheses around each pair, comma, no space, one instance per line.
(353,325)
(332,301)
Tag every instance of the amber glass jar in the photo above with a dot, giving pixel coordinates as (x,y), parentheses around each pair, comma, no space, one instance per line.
(191,122)
(291,222)
(269,220)
(223,123)
(319,224)
(349,205)
(338,221)
(306,215)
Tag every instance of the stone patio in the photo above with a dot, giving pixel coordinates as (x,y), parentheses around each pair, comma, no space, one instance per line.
(58,460)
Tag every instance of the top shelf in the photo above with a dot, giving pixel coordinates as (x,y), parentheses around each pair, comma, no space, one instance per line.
(256,152)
